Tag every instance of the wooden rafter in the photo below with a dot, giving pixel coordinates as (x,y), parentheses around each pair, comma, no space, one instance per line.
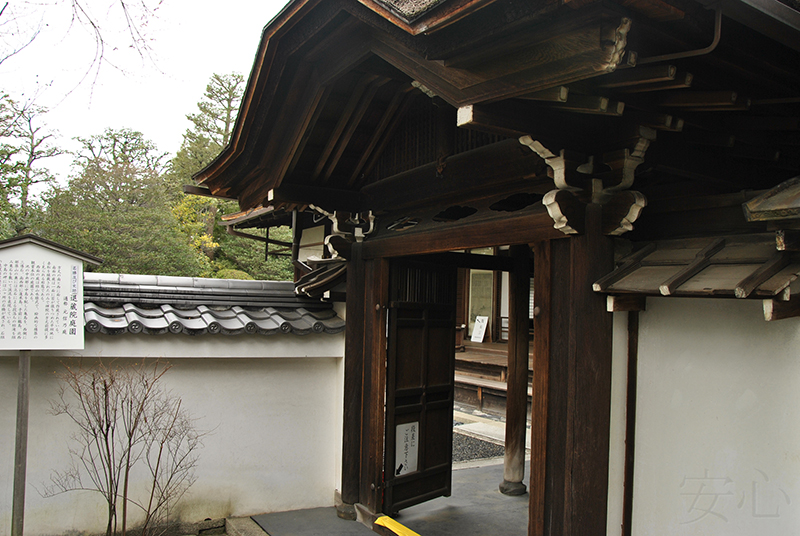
(590,104)
(474,173)
(702,260)
(682,80)
(349,117)
(638,76)
(393,111)
(387,132)
(553,94)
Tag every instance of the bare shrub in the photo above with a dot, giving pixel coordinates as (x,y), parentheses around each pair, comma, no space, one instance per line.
(130,428)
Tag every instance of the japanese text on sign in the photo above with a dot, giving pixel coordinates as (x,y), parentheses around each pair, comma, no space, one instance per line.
(406,448)
(41,303)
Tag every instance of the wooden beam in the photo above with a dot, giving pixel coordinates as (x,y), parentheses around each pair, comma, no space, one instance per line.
(298,155)
(306,92)
(632,263)
(653,120)
(741,104)
(700,262)
(354,102)
(391,127)
(628,302)
(553,94)
(775,264)
(520,229)
(638,76)
(693,99)
(776,309)
(495,120)
(471,261)
(546,55)
(787,240)
(393,111)
(330,199)
(682,80)
(202,191)
(280,149)
(590,104)
(483,169)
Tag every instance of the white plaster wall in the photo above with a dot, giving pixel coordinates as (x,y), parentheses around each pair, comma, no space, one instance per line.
(274,443)
(718,421)
(311,243)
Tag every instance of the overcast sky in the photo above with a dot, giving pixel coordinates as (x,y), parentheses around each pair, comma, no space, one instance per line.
(191,40)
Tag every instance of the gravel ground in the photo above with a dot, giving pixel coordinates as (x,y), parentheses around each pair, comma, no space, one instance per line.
(467,448)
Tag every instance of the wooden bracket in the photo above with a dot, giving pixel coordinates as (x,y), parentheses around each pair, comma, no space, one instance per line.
(567,211)
(787,240)
(628,302)
(566,168)
(621,210)
(776,309)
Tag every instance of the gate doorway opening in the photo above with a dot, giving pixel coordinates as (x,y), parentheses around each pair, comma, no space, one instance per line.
(426,303)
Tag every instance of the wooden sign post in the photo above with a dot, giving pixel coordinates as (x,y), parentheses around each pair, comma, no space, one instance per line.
(41,308)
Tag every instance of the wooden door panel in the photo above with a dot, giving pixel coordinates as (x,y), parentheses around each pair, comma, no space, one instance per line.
(419,385)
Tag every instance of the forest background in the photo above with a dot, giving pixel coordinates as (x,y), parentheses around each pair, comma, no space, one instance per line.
(124,202)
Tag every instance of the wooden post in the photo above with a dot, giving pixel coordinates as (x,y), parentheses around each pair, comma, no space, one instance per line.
(21,448)
(376,281)
(353,377)
(630,421)
(576,357)
(542,272)
(517,382)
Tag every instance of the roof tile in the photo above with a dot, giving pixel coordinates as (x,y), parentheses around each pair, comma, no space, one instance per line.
(130,303)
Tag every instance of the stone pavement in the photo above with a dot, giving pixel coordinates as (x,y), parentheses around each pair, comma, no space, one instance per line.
(476,506)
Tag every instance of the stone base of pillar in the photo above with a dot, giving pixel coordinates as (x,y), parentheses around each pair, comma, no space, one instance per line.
(344,510)
(513,488)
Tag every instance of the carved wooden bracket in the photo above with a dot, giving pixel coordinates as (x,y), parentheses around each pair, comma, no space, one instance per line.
(579,180)
(353,226)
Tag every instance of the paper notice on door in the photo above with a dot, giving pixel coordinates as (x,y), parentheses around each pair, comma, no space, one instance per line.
(406,448)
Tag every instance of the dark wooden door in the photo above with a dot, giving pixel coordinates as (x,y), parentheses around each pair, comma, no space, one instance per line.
(419,384)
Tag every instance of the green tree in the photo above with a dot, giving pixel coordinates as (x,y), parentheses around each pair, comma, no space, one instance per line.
(24,145)
(211,128)
(118,208)
(248,256)
(210,131)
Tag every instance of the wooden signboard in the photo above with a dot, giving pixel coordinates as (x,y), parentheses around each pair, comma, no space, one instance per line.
(479,331)
(41,299)
(41,308)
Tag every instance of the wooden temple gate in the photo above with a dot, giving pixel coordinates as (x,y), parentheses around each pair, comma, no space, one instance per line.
(571,377)
(475,123)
